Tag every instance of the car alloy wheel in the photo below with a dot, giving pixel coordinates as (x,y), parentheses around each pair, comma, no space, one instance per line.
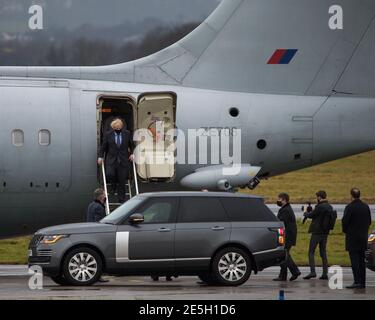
(232,266)
(83,267)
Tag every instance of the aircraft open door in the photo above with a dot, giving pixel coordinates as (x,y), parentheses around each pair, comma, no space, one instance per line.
(156,121)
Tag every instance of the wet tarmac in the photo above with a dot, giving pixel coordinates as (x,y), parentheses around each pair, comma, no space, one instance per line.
(14,285)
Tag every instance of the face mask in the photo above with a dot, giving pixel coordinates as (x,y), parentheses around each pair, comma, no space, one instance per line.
(279,203)
(118,131)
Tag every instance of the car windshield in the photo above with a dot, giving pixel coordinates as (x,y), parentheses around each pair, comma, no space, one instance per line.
(121,212)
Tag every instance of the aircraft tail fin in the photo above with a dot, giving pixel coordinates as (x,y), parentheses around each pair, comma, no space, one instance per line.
(260,46)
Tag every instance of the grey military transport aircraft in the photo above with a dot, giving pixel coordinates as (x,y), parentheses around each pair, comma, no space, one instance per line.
(300,91)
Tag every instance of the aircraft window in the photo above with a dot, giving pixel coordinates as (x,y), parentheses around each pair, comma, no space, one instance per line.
(44,137)
(261,144)
(18,138)
(234,112)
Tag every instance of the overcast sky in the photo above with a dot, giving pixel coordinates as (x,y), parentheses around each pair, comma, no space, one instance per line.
(73,13)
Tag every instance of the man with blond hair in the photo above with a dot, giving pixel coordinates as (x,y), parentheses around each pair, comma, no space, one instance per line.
(117,150)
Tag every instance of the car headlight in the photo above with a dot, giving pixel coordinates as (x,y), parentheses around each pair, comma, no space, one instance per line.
(52,239)
(371,238)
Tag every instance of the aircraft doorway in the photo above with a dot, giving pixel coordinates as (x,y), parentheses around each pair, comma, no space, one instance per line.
(154,114)
(111,108)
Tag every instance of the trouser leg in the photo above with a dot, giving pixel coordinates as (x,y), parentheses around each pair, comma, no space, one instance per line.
(362,267)
(312,247)
(323,253)
(292,265)
(284,267)
(122,175)
(354,259)
(111,178)
(110,172)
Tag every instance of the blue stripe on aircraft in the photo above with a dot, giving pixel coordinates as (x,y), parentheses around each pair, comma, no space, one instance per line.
(288,56)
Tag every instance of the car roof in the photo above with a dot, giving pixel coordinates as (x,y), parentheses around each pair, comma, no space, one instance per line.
(199,194)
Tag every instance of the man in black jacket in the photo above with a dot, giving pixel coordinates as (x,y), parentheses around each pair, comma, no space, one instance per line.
(355,225)
(96,212)
(319,236)
(96,209)
(286,215)
(117,148)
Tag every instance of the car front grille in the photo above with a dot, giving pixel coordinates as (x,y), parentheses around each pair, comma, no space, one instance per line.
(44,253)
(36,240)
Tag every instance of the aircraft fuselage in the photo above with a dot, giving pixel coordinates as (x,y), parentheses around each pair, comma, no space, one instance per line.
(43,185)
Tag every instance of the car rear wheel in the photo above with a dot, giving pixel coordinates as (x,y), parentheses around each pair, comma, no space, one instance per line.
(231,266)
(82,267)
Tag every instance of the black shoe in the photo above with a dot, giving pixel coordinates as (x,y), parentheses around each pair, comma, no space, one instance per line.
(295,276)
(168,278)
(102,280)
(155,278)
(310,276)
(323,277)
(356,286)
(279,279)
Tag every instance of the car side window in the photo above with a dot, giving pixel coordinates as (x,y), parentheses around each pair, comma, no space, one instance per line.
(201,209)
(158,210)
(245,209)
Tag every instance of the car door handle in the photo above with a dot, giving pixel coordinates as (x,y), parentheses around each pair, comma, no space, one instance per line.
(217,228)
(164,230)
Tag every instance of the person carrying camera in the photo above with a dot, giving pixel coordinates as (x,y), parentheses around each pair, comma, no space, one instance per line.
(319,229)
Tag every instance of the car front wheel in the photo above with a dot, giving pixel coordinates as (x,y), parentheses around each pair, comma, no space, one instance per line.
(82,267)
(231,266)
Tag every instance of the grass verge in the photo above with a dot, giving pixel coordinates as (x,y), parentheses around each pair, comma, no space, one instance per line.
(336,177)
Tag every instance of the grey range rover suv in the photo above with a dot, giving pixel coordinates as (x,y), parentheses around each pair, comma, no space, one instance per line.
(220,237)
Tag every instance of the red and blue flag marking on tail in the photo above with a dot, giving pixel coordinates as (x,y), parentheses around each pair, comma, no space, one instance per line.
(282,56)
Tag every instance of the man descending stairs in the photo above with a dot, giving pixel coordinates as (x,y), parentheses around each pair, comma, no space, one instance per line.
(116,149)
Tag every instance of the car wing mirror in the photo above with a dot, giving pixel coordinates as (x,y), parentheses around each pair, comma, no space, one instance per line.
(136,218)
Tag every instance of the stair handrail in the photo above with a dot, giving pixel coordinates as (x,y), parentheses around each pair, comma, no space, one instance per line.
(135,179)
(105,188)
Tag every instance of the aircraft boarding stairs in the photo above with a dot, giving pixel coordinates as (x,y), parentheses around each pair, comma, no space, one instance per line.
(131,187)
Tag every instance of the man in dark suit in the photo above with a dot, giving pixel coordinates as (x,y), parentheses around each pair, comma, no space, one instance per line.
(286,215)
(96,212)
(117,149)
(96,209)
(355,225)
(319,236)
